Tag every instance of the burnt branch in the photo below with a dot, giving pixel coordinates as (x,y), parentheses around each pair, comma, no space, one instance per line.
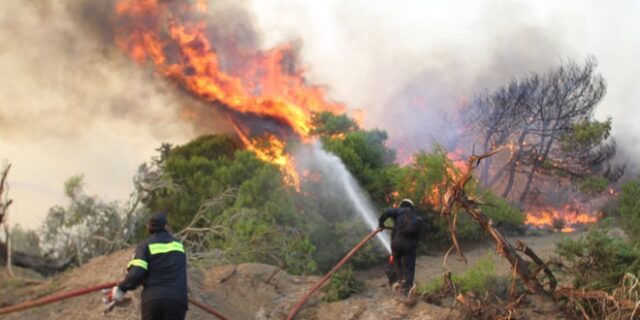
(456,197)
(541,264)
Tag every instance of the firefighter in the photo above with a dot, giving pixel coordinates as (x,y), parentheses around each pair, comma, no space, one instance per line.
(160,266)
(407,225)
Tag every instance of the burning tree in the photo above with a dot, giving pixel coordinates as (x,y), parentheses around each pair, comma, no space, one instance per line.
(547,121)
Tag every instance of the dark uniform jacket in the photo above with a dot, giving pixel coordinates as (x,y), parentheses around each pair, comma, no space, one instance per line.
(160,266)
(406,223)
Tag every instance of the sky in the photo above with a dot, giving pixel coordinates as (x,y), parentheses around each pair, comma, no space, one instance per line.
(70,104)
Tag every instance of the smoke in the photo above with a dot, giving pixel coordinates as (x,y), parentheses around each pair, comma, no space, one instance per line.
(69,96)
(71,104)
(412,64)
(59,80)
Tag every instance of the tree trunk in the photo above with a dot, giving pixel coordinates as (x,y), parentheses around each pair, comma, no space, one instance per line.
(9,250)
(42,265)
(514,163)
(538,162)
(512,175)
(484,175)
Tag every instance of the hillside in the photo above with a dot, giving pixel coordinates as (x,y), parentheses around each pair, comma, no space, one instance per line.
(242,291)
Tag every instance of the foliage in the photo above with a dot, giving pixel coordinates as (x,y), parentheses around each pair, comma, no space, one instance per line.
(479,278)
(629,209)
(586,134)
(594,184)
(547,119)
(253,225)
(503,214)
(261,219)
(433,287)
(327,124)
(425,181)
(199,170)
(598,261)
(342,285)
(87,226)
(368,159)
(424,178)
(24,240)
(254,237)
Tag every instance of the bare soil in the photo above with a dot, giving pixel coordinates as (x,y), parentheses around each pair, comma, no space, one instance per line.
(242,291)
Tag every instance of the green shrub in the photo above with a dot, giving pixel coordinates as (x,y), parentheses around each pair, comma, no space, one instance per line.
(253,237)
(598,261)
(629,209)
(477,277)
(480,278)
(504,215)
(342,285)
(594,184)
(433,287)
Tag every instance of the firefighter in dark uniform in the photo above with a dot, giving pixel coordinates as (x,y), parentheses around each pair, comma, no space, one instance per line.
(407,225)
(160,266)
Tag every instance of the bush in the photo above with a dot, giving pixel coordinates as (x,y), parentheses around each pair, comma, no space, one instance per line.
(594,184)
(425,181)
(598,261)
(253,237)
(629,209)
(342,285)
(480,278)
(477,277)
(504,215)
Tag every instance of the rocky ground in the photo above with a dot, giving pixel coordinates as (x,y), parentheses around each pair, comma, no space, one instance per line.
(257,291)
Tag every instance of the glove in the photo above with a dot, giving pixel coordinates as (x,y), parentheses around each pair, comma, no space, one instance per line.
(117,295)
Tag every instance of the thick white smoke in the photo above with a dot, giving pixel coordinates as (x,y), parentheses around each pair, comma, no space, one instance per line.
(409,63)
(71,103)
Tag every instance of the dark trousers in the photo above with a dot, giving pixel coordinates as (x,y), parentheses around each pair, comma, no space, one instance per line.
(163,309)
(404,257)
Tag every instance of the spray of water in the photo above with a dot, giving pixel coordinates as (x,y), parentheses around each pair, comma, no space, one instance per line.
(334,170)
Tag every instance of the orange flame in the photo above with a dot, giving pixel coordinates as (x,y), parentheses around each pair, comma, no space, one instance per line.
(456,158)
(171,36)
(566,219)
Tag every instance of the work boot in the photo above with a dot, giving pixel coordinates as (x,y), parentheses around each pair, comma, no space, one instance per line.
(410,295)
(397,286)
(391,275)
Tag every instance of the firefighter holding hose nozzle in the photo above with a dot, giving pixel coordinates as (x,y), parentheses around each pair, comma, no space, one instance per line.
(407,225)
(160,266)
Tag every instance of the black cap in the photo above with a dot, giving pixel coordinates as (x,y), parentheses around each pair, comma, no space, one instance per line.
(158,222)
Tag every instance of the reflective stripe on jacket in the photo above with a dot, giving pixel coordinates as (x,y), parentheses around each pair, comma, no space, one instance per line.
(160,266)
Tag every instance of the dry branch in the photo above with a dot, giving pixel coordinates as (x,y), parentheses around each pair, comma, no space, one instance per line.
(541,264)
(455,197)
(196,232)
(622,303)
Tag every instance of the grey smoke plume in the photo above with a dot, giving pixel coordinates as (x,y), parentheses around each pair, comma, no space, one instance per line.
(411,63)
(70,97)
(70,105)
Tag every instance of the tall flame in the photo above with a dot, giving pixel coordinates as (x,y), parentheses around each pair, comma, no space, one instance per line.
(172,36)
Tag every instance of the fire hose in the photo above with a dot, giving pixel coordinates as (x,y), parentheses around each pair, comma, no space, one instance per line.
(209,309)
(83,291)
(326,277)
